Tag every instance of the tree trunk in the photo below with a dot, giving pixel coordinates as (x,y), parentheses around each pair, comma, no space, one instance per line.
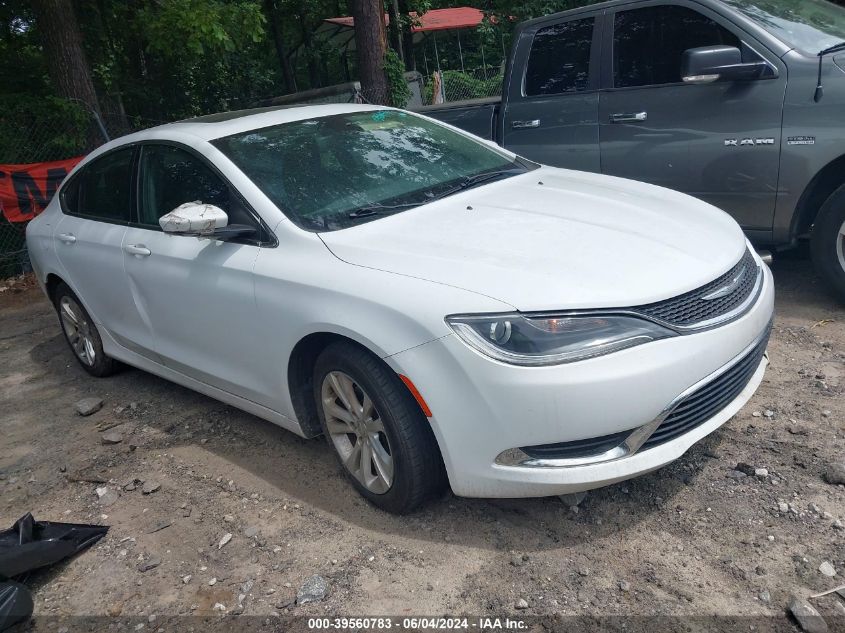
(111,96)
(370,49)
(272,12)
(407,37)
(66,59)
(313,70)
(395,28)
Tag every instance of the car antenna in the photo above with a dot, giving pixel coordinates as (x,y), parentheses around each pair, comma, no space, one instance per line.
(819,87)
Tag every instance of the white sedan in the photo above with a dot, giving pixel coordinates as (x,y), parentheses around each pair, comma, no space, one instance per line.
(440,309)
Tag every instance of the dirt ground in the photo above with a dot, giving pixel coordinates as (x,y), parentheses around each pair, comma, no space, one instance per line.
(692,539)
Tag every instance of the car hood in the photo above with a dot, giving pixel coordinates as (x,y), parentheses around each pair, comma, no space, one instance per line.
(553,239)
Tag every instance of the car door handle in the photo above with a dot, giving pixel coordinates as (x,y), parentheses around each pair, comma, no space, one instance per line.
(524,125)
(139,250)
(67,238)
(624,117)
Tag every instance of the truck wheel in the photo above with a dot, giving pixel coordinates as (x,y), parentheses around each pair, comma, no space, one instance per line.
(827,242)
(376,429)
(81,334)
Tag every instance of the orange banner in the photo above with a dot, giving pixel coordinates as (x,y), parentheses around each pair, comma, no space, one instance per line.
(26,190)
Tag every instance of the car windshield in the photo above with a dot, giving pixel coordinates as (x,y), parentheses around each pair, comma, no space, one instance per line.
(808,25)
(333,172)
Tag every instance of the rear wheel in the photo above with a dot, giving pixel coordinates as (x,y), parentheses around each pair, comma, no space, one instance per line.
(827,242)
(376,429)
(81,334)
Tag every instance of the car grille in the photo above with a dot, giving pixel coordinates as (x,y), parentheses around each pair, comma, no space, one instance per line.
(692,308)
(708,400)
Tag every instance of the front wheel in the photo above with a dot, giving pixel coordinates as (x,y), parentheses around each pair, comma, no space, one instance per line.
(827,242)
(81,334)
(376,429)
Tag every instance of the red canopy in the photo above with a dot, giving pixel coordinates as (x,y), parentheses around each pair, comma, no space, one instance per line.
(434,20)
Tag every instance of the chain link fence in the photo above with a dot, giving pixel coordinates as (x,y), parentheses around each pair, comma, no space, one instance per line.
(67,133)
(459,85)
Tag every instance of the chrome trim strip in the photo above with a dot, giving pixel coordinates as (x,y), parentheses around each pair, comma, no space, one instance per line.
(723,319)
(631,444)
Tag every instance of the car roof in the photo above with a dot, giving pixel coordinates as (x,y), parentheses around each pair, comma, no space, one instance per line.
(600,6)
(212,126)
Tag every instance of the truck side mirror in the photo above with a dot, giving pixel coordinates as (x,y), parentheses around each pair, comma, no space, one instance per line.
(707,64)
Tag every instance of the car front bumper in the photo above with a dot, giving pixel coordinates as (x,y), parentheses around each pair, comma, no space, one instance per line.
(484,411)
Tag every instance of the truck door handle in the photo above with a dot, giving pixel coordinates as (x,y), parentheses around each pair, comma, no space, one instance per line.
(524,125)
(138,250)
(67,238)
(624,117)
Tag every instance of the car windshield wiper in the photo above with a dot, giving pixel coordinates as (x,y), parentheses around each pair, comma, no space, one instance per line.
(369,210)
(475,180)
(833,49)
(378,209)
(827,51)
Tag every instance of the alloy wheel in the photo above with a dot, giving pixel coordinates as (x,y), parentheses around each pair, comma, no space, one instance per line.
(78,330)
(357,432)
(840,246)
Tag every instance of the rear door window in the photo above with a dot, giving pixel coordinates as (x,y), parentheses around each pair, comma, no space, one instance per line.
(102,189)
(559,61)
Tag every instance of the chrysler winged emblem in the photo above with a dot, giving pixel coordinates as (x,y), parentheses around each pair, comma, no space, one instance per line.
(728,288)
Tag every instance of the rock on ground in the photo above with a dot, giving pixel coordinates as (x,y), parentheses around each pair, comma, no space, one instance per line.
(150,487)
(835,473)
(106,497)
(807,616)
(149,564)
(312,590)
(112,437)
(574,499)
(88,406)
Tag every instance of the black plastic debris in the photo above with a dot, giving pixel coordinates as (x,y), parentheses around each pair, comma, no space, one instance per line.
(29,545)
(15,604)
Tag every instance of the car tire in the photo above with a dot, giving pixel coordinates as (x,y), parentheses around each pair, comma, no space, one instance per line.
(827,242)
(81,334)
(397,465)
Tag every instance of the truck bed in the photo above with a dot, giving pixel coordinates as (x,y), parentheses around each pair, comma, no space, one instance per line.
(477,116)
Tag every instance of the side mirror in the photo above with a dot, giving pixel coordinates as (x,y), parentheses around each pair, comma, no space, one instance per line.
(194,218)
(707,64)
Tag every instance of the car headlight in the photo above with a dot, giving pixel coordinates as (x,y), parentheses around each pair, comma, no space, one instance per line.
(551,340)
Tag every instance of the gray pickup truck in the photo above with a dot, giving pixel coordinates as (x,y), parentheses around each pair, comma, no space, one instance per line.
(738,102)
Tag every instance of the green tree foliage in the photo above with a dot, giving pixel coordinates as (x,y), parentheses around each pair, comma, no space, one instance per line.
(176,58)
(394,70)
(161,60)
(502,16)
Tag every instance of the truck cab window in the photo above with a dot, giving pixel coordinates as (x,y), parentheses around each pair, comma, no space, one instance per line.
(559,60)
(648,43)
